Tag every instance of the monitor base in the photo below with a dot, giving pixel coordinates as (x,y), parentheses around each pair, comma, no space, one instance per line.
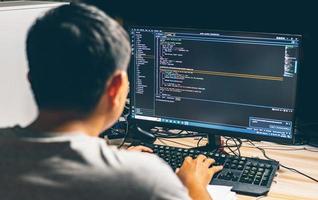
(137,133)
(213,144)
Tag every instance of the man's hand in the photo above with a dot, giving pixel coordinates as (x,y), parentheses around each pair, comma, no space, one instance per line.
(140,149)
(196,174)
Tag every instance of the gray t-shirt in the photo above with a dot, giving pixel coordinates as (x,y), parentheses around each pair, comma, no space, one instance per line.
(77,166)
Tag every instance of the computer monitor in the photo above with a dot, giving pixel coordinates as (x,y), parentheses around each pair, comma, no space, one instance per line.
(238,84)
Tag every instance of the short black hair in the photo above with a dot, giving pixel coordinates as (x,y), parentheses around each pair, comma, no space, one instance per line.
(72,51)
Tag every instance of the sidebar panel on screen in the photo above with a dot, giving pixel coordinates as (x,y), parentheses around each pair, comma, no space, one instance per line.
(144,63)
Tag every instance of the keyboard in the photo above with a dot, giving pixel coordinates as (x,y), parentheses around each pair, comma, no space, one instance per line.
(249,176)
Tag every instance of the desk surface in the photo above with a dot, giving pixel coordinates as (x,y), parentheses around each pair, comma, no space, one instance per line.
(286,185)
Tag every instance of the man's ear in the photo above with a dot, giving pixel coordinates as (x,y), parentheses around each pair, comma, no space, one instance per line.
(115,87)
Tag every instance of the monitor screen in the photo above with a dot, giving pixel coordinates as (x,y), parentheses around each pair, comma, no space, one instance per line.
(232,83)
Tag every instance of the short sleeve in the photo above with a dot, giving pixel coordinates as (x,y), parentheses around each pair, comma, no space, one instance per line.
(167,185)
(151,176)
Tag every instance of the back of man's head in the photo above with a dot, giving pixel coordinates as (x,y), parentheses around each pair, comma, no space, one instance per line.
(72,51)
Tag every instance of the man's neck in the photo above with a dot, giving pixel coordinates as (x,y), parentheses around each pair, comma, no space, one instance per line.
(66,122)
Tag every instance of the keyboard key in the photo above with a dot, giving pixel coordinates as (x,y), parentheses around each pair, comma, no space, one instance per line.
(251,176)
(250,180)
(210,154)
(227,165)
(267,172)
(264,183)
(235,179)
(244,180)
(197,152)
(268,166)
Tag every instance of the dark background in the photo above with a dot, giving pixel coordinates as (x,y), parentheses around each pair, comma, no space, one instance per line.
(257,16)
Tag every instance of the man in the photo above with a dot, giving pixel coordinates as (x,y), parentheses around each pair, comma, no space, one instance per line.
(78,58)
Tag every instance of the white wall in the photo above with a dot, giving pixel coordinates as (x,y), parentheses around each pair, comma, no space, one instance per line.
(16,100)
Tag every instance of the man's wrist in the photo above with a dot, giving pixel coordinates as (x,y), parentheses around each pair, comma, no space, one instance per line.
(198,191)
(193,186)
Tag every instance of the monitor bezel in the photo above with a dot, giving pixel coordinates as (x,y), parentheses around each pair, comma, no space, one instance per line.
(212,131)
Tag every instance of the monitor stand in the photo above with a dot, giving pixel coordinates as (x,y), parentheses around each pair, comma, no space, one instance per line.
(140,134)
(213,144)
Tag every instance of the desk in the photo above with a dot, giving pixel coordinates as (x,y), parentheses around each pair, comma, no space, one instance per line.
(286,185)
